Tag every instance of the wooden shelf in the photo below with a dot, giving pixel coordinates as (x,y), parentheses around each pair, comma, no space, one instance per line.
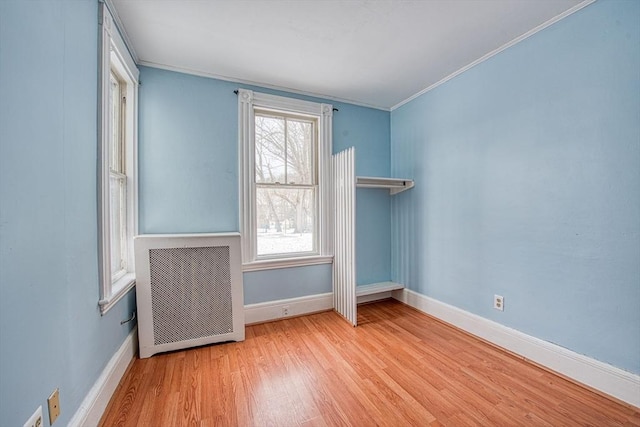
(395,185)
(377,288)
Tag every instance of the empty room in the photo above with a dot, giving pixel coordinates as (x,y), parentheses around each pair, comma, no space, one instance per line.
(319,213)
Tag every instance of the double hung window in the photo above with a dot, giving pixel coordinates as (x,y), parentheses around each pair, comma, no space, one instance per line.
(285,147)
(286,184)
(117,177)
(117,154)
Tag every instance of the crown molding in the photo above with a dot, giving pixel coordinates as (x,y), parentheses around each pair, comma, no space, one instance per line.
(120,28)
(493,53)
(317,96)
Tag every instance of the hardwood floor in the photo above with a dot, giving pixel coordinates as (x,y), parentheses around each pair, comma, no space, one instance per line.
(399,367)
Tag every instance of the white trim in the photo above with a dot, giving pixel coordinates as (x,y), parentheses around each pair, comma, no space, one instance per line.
(118,290)
(246,154)
(121,29)
(325,180)
(287,104)
(395,185)
(376,288)
(494,52)
(247,102)
(376,291)
(287,263)
(272,310)
(185,70)
(92,407)
(106,23)
(115,54)
(607,379)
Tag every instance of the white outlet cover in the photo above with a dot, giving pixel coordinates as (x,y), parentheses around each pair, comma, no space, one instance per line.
(33,420)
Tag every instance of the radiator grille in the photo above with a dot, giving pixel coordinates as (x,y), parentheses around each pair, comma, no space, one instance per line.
(190,293)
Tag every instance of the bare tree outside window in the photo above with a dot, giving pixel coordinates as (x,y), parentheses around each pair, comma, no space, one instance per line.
(286,183)
(117,177)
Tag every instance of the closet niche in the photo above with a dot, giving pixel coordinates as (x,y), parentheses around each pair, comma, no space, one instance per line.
(345,288)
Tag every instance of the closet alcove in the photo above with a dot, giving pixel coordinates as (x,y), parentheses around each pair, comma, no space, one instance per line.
(345,285)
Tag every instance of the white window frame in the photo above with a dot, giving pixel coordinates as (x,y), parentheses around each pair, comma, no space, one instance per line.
(248,102)
(114,55)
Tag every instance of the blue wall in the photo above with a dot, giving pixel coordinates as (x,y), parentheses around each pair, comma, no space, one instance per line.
(189,173)
(527,171)
(51,331)
(527,185)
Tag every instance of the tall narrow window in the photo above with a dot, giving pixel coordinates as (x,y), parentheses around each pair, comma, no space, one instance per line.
(286,184)
(285,150)
(118,178)
(117,174)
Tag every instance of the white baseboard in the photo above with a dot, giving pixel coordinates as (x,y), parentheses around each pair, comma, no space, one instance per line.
(272,310)
(605,378)
(92,407)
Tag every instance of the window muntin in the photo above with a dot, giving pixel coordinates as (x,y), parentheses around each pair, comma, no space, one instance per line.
(286,185)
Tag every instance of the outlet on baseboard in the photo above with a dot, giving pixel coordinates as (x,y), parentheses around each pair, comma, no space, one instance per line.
(498,302)
(36,419)
(285,310)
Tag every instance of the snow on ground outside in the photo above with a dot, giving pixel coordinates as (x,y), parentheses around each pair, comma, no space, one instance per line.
(279,243)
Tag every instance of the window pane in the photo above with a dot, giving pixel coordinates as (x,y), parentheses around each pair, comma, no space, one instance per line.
(299,152)
(115,140)
(285,220)
(118,225)
(270,149)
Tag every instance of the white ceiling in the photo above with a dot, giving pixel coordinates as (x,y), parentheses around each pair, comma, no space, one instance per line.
(370,52)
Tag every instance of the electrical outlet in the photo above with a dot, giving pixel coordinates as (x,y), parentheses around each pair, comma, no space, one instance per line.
(285,310)
(54,406)
(498,302)
(36,419)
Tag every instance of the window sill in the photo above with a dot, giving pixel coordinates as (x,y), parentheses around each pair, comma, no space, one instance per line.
(273,264)
(118,290)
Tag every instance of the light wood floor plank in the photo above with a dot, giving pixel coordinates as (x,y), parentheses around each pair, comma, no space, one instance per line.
(399,367)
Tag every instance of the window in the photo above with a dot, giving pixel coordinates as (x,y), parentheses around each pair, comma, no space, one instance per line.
(117,179)
(285,149)
(286,184)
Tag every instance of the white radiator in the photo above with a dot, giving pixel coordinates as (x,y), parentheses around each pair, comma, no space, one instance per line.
(344,269)
(189,291)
